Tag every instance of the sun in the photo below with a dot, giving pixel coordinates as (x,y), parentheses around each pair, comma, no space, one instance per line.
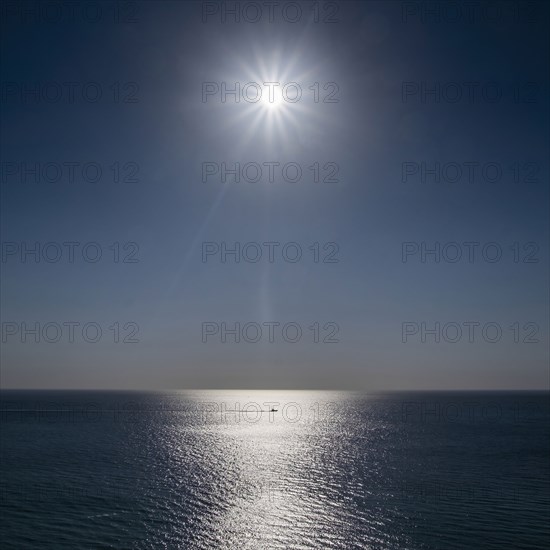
(270,97)
(272,101)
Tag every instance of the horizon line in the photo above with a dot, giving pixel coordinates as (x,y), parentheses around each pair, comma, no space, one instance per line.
(397,390)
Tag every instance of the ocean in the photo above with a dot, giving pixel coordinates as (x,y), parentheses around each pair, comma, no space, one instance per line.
(325,470)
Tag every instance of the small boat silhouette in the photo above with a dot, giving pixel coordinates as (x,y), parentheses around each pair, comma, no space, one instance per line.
(273,410)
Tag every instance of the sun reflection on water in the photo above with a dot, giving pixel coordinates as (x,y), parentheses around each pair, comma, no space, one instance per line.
(274,476)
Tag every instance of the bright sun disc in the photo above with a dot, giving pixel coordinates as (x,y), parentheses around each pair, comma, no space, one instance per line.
(273,102)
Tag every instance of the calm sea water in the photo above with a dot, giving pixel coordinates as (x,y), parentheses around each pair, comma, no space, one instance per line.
(327,470)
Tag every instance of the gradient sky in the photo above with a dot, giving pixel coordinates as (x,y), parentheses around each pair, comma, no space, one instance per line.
(168,50)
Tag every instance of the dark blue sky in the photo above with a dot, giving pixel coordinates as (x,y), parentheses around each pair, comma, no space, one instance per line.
(416,87)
